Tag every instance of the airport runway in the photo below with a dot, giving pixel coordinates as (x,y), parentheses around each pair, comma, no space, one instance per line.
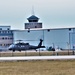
(37,58)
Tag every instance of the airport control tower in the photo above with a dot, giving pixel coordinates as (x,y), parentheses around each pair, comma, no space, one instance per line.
(33,22)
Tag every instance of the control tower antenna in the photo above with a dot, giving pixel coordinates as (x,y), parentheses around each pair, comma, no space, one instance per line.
(33,10)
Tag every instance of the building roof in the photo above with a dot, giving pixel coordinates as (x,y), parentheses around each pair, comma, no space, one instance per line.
(33,17)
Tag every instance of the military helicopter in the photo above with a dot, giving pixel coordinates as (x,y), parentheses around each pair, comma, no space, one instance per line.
(25,46)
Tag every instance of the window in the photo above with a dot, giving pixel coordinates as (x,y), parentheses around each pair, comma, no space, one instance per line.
(3,38)
(35,26)
(9,32)
(11,38)
(8,28)
(0,28)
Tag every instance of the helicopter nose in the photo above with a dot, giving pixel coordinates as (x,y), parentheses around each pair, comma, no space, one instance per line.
(10,47)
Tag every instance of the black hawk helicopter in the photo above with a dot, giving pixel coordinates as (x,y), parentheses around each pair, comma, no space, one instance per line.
(25,46)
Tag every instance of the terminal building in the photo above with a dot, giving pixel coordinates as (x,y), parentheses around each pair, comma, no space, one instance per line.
(63,38)
(6,36)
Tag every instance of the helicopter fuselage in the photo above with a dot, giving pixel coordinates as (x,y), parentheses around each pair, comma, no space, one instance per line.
(22,47)
(25,46)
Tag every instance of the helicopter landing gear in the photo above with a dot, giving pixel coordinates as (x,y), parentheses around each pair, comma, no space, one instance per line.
(36,50)
(13,52)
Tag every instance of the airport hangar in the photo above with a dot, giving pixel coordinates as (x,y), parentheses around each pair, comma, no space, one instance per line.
(63,38)
(57,37)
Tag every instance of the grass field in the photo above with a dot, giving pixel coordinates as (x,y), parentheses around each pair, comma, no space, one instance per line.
(52,67)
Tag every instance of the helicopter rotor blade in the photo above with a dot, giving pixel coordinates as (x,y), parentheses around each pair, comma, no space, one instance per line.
(24,40)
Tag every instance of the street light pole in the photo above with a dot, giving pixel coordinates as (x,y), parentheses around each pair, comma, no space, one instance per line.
(43,37)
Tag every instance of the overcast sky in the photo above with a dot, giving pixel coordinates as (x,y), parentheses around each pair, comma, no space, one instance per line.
(53,13)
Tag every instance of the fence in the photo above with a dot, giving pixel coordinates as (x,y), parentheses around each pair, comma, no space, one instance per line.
(38,53)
